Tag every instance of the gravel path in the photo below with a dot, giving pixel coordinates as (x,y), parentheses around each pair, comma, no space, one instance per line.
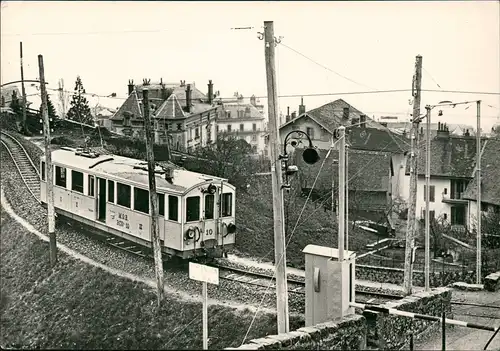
(25,206)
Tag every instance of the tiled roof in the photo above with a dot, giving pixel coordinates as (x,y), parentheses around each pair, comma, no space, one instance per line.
(368,170)
(376,140)
(490,175)
(130,105)
(331,115)
(235,107)
(450,157)
(170,109)
(178,90)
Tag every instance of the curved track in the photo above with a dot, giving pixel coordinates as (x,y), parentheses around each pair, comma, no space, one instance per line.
(24,164)
(31,178)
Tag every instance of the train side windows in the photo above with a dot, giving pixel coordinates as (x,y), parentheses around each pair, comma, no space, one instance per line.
(43,170)
(209,206)
(227,205)
(192,208)
(111,191)
(77,181)
(141,200)
(161,204)
(61,176)
(123,194)
(173,208)
(91,185)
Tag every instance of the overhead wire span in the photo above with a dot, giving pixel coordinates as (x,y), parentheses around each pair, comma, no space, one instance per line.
(325,67)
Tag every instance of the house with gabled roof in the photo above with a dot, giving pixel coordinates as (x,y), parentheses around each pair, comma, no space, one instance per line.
(452,163)
(364,134)
(490,183)
(181,113)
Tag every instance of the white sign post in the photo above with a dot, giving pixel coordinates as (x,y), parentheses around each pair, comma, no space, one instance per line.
(206,275)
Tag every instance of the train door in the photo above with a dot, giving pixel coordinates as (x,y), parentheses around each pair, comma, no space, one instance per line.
(101,199)
(209,217)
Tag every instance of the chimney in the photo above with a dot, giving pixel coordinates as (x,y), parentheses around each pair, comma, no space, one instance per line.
(130,86)
(362,121)
(253,100)
(466,133)
(346,113)
(443,131)
(287,118)
(302,108)
(210,91)
(183,83)
(294,115)
(188,98)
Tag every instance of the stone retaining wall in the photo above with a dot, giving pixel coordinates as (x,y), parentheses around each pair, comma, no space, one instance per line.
(348,333)
(395,276)
(393,332)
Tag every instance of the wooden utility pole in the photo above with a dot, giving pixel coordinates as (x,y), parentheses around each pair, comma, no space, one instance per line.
(276,178)
(412,221)
(478,174)
(341,234)
(427,245)
(22,88)
(347,198)
(48,165)
(153,198)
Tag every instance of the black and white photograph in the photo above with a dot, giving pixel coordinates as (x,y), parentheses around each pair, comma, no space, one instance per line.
(250,175)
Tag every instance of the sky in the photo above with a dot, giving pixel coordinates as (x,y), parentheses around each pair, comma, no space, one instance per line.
(351,46)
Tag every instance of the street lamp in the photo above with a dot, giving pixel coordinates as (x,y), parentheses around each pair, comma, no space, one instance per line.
(427,187)
(310,156)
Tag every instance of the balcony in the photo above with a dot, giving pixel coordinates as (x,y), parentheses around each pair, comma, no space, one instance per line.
(453,199)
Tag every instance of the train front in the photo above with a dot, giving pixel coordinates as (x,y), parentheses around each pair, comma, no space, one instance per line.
(209,223)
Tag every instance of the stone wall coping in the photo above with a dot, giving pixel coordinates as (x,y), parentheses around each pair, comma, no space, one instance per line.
(493,276)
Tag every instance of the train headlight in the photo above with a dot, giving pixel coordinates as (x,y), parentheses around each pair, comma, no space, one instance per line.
(193,233)
(211,189)
(231,228)
(189,234)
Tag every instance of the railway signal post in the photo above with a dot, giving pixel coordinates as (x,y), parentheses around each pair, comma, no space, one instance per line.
(205,274)
(153,198)
(48,161)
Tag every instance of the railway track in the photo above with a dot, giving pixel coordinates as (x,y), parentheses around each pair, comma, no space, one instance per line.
(31,179)
(24,164)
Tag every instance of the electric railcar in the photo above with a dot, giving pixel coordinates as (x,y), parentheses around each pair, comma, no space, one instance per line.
(110,193)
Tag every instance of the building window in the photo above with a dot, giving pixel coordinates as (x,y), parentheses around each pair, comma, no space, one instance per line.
(242,127)
(254,127)
(43,170)
(240,114)
(173,208)
(445,216)
(77,181)
(217,129)
(192,208)
(445,191)
(61,176)
(431,193)
(179,126)
(310,132)
(141,200)
(484,207)
(254,148)
(91,185)
(227,205)
(458,215)
(161,204)
(209,206)
(228,114)
(196,133)
(254,137)
(229,128)
(111,191)
(123,195)
(458,187)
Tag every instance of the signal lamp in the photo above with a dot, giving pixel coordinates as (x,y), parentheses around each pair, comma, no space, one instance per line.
(310,155)
(211,189)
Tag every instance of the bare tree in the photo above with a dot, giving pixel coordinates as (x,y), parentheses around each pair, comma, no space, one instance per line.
(63,99)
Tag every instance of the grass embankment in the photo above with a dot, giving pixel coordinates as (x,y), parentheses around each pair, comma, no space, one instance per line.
(254,219)
(75,306)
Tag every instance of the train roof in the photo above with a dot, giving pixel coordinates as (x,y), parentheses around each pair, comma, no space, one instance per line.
(129,170)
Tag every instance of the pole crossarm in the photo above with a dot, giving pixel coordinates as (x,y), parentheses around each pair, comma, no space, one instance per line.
(397,312)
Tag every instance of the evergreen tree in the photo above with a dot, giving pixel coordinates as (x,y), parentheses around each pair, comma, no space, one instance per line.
(15,104)
(80,110)
(50,107)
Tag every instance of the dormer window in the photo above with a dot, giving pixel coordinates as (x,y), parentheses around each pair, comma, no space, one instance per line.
(228,114)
